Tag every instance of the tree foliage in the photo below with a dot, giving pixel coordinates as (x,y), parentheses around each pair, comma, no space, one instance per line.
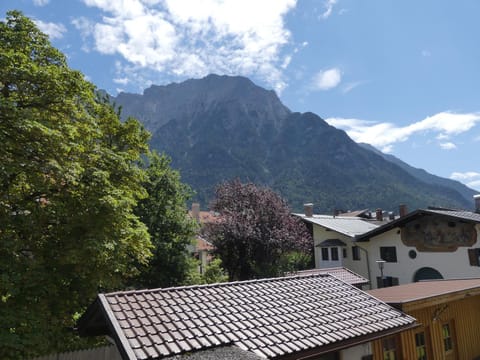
(255,232)
(171,230)
(69,181)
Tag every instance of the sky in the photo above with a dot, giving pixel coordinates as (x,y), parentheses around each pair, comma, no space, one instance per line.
(402,76)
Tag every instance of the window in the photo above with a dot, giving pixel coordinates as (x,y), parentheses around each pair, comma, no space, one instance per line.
(474,257)
(420,346)
(344,251)
(447,337)
(334,252)
(390,348)
(356,253)
(388,253)
(387,281)
(324,254)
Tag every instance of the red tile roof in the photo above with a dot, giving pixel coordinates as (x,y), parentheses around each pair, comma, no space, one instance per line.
(269,317)
(422,290)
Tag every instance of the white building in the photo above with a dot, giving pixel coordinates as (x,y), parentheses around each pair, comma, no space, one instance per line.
(424,244)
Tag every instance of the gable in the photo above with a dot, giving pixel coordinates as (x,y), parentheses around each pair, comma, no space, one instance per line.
(437,233)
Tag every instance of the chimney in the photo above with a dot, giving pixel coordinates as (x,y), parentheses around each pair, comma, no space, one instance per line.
(402,210)
(196,211)
(308,209)
(379,214)
(477,203)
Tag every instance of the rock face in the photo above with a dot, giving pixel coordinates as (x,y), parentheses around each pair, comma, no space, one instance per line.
(221,127)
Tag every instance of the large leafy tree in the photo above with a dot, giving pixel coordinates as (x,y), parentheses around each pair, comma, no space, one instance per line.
(256,234)
(171,230)
(69,181)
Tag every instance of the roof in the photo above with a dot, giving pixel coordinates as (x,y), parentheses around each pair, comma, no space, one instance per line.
(422,290)
(356,213)
(203,245)
(341,273)
(462,215)
(268,317)
(205,217)
(346,225)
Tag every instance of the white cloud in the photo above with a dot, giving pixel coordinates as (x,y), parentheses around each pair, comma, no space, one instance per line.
(40,2)
(474,184)
(426,53)
(328,79)
(469,175)
(384,135)
(350,86)
(53,30)
(121,81)
(470,178)
(193,38)
(328,5)
(448,146)
(86,27)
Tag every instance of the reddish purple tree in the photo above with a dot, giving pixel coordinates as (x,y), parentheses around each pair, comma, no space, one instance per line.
(256,235)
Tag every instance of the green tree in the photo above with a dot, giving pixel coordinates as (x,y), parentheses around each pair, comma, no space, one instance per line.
(255,233)
(171,229)
(69,181)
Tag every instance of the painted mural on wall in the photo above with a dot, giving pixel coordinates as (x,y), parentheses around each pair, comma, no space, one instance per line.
(436,234)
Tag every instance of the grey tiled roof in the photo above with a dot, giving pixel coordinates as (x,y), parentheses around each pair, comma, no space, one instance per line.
(269,317)
(341,273)
(346,225)
(462,215)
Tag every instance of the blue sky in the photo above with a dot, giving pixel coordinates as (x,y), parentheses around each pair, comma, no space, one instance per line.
(400,75)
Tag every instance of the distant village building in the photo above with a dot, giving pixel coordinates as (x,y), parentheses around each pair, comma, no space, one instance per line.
(202,248)
(433,243)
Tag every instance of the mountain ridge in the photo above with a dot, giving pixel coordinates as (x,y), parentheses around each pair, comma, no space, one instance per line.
(222,127)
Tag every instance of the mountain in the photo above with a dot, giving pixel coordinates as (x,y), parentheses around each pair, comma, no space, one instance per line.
(424,176)
(221,127)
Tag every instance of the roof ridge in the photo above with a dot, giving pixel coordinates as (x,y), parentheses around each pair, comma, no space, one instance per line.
(213,285)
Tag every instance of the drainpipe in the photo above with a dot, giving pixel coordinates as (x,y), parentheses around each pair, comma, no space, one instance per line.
(368,266)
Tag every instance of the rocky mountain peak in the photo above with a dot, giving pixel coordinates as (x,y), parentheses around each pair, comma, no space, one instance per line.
(160,104)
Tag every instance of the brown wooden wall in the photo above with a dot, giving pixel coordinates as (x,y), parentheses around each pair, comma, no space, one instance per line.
(465,315)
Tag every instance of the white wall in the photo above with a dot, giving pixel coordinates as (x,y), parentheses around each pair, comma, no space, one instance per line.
(450,264)
(321,234)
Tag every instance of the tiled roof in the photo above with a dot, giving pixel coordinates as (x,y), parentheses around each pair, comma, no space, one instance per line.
(341,273)
(205,217)
(455,214)
(460,214)
(203,245)
(422,290)
(269,317)
(347,225)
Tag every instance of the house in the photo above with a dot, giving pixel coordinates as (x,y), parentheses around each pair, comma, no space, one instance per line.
(334,238)
(448,312)
(202,248)
(431,243)
(424,244)
(305,316)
